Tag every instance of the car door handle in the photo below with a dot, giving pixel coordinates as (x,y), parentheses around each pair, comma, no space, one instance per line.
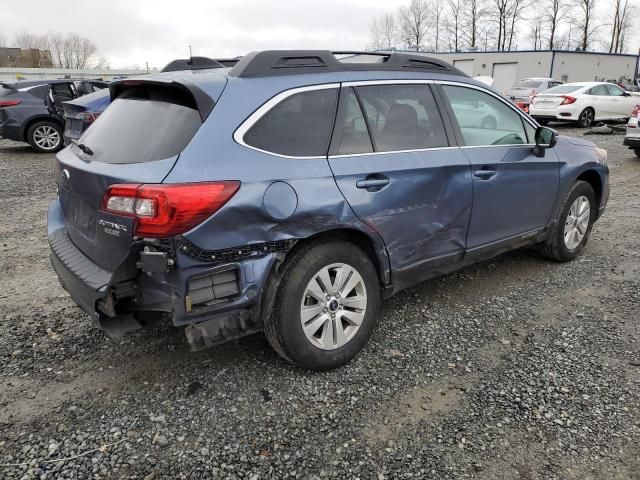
(485,174)
(372,182)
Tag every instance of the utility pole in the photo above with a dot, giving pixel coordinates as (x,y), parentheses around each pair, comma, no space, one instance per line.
(190,54)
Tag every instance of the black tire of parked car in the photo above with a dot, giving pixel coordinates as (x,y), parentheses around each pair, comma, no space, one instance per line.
(542,122)
(637,152)
(585,120)
(283,328)
(31,136)
(554,247)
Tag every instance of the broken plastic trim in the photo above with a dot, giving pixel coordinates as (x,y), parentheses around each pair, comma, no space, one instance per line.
(233,254)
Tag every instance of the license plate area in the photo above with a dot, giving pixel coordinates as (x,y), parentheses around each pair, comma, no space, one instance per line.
(79,213)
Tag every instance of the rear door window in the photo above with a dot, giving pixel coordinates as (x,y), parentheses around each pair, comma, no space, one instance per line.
(142,125)
(351,127)
(614,90)
(402,117)
(298,126)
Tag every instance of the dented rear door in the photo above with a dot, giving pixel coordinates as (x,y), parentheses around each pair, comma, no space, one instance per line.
(403,180)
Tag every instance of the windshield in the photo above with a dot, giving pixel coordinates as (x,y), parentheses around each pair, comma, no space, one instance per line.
(528,84)
(142,127)
(563,89)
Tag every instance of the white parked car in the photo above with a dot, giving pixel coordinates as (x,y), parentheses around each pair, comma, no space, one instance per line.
(583,103)
(632,137)
(526,89)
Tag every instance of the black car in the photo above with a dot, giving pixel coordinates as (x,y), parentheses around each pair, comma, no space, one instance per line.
(31,110)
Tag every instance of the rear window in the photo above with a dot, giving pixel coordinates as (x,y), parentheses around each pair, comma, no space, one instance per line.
(143,125)
(529,84)
(563,89)
(298,126)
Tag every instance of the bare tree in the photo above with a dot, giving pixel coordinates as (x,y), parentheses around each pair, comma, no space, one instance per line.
(68,50)
(501,12)
(553,14)
(453,24)
(620,24)
(516,11)
(30,41)
(71,50)
(586,23)
(415,20)
(536,35)
(437,11)
(473,13)
(383,32)
(3,41)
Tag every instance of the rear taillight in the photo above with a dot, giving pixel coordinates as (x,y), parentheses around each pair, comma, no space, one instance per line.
(88,117)
(567,100)
(167,210)
(636,111)
(9,103)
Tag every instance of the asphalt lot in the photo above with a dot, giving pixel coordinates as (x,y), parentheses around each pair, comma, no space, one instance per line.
(516,368)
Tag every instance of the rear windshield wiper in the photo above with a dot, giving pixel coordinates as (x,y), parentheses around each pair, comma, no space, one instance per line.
(82,147)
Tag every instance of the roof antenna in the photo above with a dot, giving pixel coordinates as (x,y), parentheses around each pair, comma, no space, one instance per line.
(190,58)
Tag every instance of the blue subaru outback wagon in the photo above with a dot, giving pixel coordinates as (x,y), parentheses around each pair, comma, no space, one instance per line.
(293,192)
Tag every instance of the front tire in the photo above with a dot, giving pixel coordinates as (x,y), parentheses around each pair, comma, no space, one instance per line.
(45,137)
(573,227)
(326,307)
(586,117)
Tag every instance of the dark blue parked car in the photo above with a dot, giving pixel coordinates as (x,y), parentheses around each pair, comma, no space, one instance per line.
(294,192)
(31,110)
(80,113)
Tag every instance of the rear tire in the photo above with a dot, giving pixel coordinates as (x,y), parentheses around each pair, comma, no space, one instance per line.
(573,227)
(585,120)
(637,152)
(45,137)
(338,318)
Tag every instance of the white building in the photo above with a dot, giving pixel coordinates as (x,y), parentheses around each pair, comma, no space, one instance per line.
(507,68)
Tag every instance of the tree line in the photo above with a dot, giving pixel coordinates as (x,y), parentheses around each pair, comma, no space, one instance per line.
(55,49)
(456,25)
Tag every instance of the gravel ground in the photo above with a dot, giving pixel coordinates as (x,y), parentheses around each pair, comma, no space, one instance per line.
(516,368)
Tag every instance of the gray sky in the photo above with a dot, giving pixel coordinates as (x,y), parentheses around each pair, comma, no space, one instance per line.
(131,32)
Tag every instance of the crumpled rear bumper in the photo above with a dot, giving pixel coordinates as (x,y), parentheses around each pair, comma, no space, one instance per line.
(85,281)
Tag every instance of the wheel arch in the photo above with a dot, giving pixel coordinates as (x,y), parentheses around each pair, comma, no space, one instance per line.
(592,177)
(376,252)
(39,118)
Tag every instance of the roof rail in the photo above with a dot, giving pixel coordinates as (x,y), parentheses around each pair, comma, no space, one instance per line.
(287,62)
(193,63)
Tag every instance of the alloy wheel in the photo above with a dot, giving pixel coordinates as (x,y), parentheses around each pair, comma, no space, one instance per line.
(46,137)
(333,306)
(577,222)
(586,118)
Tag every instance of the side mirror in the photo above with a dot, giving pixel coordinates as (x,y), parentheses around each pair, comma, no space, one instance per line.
(545,138)
(626,94)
